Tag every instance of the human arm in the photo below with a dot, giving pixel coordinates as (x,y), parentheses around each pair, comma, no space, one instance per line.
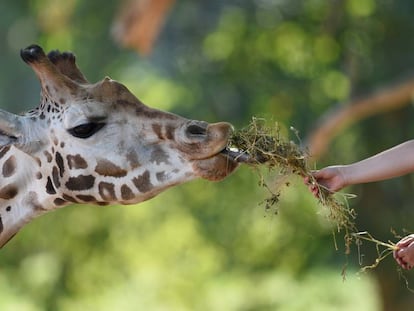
(393,162)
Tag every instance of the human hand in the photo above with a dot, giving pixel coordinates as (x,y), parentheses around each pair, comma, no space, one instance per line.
(404,254)
(331,177)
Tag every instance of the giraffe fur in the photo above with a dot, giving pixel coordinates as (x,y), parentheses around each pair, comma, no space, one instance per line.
(96,143)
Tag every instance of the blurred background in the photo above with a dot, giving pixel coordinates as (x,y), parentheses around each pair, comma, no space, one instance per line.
(340,72)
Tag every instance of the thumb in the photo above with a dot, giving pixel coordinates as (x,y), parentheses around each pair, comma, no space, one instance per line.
(319,174)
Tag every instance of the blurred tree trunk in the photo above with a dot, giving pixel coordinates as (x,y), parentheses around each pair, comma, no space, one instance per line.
(139,23)
(344,115)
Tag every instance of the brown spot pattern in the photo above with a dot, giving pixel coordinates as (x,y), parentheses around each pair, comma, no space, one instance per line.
(132,159)
(49,186)
(123,102)
(107,168)
(8,192)
(55,177)
(81,182)
(159,156)
(48,156)
(144,111)
(59,202)
(157,130)
(9,167)
(143,182)
(76,162)
(38,161)
(161,176)
(3,151)
(107,191)
(169,132)
(1,225)
(59,162)
(86,198)
(69,198)
(126,193)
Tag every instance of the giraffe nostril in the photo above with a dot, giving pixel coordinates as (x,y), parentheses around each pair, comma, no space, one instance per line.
(197,129)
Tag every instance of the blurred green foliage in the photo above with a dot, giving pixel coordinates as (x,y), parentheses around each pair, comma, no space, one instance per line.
(211,246)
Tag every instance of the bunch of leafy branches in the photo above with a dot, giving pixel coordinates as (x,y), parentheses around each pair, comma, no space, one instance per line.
(260,144)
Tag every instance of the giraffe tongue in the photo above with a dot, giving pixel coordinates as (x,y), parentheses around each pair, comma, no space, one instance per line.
(242,156)
(237,155)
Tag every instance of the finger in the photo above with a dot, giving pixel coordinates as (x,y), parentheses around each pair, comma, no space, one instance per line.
(406,263)
(400,261)
(394,254)
(407,239)
(403,242)
(318,175)
(401,253)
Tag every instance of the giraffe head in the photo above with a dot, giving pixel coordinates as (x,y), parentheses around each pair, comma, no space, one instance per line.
(96,143)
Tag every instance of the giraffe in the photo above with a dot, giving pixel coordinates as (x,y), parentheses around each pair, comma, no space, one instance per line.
(96,144)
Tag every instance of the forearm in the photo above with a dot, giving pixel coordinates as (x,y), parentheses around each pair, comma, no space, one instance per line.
(390,163)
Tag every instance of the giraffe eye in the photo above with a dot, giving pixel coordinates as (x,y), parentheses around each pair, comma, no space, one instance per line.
(86,130)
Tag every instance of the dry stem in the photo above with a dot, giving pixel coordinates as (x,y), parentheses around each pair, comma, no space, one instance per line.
(259,145)
(263,145)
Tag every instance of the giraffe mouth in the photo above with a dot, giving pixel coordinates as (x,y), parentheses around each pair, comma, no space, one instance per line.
(214,161)
(237,155)
(216,167)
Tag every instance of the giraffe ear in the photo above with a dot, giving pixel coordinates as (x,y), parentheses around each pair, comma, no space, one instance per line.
(10,128)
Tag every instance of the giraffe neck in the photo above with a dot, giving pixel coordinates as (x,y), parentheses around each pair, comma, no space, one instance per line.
(20,199)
